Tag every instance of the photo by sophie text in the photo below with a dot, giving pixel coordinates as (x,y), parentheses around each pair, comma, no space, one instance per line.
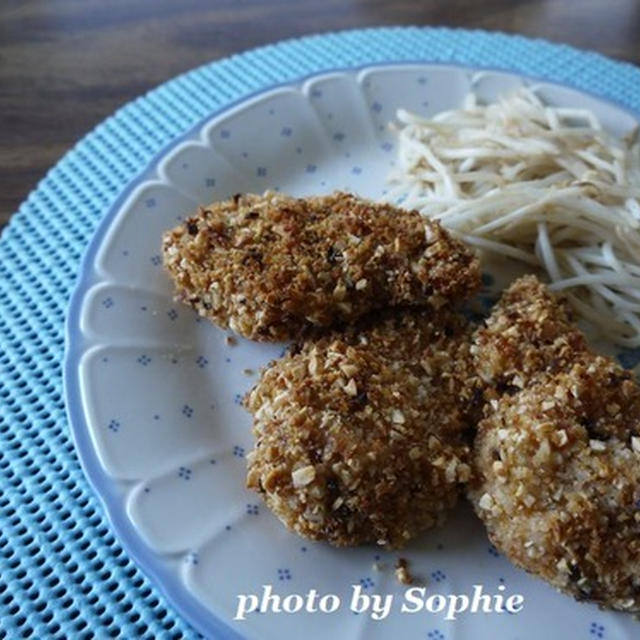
(379,606)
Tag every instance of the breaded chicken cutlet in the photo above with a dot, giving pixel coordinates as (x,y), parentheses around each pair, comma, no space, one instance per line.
(556,460)
(271,266)
(530,331)
(359,434)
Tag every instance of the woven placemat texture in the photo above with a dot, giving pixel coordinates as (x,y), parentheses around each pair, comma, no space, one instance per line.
(62,572)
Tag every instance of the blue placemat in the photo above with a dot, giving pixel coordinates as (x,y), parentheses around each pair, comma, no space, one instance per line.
(62,572)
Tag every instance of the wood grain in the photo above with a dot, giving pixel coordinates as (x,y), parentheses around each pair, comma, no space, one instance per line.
(66,65)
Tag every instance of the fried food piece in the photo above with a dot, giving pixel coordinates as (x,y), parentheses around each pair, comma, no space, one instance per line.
(557,481)
(529,332)
(270,266)
(556,460)
(359,435)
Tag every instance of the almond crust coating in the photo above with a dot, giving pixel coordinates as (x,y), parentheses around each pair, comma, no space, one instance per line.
(359,435)
(270,266)
(529,332)
(557,481)
(556,460)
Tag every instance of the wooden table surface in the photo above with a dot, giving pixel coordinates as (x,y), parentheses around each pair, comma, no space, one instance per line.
(67,64)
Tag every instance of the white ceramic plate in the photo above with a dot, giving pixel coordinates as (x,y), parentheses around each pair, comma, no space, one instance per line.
(154,392)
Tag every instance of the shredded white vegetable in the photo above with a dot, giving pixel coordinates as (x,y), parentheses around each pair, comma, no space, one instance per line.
(543,185)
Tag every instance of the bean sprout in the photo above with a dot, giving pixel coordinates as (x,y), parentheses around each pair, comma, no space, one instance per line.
(543,185)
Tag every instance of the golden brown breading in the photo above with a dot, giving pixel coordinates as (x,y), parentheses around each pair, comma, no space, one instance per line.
(359,435)
(270,266)
(556,461)
(529,332)
(557,481)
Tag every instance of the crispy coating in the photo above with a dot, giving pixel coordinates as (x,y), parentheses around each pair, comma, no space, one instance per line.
(529,332)
(270,266)
(557,481)
(556,460)
(359,435)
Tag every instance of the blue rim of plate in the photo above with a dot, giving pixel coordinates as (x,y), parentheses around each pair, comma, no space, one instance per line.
(187,605)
